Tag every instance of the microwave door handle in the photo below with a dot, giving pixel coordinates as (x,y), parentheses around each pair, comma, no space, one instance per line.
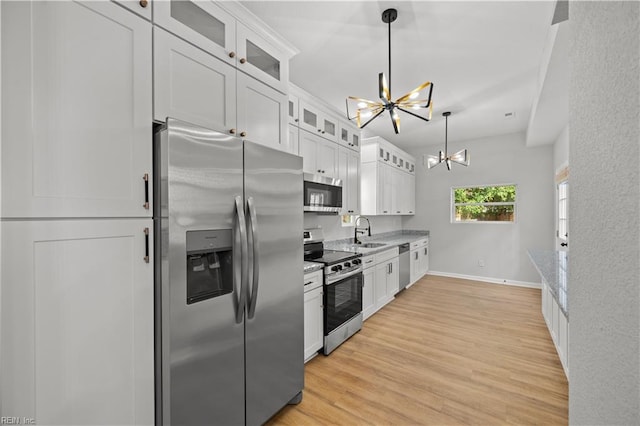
(240,274)
(255,277)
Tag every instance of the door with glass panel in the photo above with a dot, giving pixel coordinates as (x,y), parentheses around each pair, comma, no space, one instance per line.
(562,233)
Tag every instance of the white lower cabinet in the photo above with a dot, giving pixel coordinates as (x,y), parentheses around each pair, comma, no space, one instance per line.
(368,289)
(387,277)
(418,260)
(77,321)
(558,325)
(313,314)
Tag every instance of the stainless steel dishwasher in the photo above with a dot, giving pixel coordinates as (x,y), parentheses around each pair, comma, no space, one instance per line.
(405,270)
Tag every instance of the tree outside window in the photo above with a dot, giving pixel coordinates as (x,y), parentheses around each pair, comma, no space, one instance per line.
(484,204)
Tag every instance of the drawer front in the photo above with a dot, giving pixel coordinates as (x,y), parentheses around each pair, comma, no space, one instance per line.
(368,261)
(386,255)
(312,280)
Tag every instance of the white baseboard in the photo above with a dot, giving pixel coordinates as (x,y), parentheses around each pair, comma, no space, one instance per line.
(486,279)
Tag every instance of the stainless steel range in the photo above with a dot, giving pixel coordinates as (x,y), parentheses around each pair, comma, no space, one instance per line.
(343,283)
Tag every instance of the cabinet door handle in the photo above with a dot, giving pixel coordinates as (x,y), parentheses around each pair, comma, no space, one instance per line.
(369,261)
(416,256)
(310,282)
(426,251)
(391,268)
(232,131)
(243,60)
(243,134)
(296,120)
(232,54)
(146,245)
(146,191)
(319,171)
(144,3)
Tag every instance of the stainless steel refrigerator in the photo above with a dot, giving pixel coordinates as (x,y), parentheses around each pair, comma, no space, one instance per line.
(229,293)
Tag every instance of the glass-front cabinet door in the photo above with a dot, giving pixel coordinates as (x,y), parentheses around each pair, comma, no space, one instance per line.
(329,129)
(260,59)
(202,23)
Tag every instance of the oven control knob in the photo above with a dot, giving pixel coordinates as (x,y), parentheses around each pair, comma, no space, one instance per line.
(356,261)
(347,264)
(334,268)
(339,267)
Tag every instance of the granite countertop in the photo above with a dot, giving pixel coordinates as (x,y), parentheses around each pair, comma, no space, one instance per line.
(553,268)
(390,239)
(312,266)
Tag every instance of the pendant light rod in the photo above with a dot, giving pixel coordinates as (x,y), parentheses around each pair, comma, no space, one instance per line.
(389,16)
(446,130)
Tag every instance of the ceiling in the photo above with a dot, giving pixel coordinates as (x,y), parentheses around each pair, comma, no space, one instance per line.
(483,58)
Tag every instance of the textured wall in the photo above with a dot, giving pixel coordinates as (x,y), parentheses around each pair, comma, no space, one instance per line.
(604,284)
(456,248)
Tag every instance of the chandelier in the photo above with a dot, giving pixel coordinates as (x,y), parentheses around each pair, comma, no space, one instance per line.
(460,157)
(366,111)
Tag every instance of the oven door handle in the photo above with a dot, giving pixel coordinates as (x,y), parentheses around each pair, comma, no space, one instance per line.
(253,238)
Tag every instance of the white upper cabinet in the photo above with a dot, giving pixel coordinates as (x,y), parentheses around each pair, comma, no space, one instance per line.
(207,25)
(349,171)
(76,110)
(261,59)
(203,23)
(292,112)
(192,85)
(319,156)
(388,179)
(140,7)
(316,121)
(293,142)
(349,136)
(262,113)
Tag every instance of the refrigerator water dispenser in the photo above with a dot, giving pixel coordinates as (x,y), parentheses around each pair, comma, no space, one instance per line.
(209,264)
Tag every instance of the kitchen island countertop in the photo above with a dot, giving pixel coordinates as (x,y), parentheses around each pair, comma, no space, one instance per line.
(553,267)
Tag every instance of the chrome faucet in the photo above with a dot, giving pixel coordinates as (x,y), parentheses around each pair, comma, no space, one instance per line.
(361,230)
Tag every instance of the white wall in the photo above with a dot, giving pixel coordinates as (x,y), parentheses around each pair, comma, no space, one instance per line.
(561,149)
(333,229)
(456,248)
(604,203)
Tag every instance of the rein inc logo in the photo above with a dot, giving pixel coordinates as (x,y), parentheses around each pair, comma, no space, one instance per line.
(5,420)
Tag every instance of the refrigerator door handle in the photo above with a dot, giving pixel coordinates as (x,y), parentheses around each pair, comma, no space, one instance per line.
(241,271)
(255,277)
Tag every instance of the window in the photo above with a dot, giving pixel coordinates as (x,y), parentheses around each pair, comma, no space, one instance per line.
(483,204)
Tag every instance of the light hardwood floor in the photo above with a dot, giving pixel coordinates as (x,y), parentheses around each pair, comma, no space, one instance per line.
(446,351)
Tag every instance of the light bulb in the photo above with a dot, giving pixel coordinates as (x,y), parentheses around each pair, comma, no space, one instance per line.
(362,104)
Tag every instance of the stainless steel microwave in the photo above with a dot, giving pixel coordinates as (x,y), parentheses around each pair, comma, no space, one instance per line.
(322,194)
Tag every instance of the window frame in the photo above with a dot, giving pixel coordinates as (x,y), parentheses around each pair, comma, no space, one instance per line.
(453,204)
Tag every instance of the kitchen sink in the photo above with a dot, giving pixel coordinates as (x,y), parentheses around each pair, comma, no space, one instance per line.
(370,245)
